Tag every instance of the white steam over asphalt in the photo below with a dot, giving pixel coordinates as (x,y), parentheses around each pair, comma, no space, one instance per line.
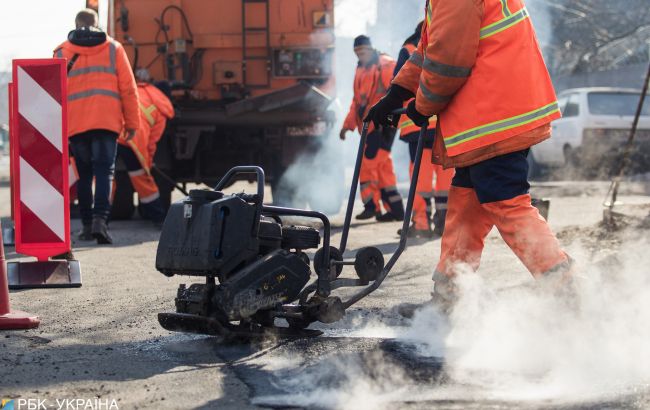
(519,347)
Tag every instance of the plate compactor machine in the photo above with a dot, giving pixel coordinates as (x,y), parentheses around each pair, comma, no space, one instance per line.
(255,266)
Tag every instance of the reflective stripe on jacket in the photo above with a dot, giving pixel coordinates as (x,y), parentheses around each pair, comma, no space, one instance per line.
(101,88)
(479,67)
(406,126)
(155,110)
(370,84)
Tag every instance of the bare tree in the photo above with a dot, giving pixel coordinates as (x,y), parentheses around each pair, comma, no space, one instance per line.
(595,35)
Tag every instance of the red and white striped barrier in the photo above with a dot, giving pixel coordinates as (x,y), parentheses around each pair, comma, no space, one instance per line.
(39,168)
(40,158)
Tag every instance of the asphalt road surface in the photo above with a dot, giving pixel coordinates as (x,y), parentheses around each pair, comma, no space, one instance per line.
(508,345)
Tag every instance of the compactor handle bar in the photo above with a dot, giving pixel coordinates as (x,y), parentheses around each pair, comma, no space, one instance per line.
(405,226)
(355,181)
(236,171)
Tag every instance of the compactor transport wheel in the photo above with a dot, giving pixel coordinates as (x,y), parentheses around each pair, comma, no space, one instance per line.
(334,255)
(298,324)
(369,263)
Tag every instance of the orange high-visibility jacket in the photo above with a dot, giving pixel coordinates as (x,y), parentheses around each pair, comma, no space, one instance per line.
(101,88)
(155,110)
(479,67)
(406,125)
(370,84)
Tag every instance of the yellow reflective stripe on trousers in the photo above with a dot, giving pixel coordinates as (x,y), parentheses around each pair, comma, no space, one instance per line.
(504,24)
(148,111)
(503,125)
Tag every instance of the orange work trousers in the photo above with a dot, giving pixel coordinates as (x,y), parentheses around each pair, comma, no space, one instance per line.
(422,206)
(379,184)
(519,223)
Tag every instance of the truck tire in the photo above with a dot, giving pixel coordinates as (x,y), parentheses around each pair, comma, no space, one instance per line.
(122,207)
(165,188)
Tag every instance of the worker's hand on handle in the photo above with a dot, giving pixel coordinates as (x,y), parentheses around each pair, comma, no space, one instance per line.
(129,135)
(343,133)
(382,112)
(417,118)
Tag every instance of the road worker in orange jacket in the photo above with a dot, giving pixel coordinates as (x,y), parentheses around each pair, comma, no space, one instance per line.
(377,176)
(138,153)
(409,133)
(480,70)
(102,100)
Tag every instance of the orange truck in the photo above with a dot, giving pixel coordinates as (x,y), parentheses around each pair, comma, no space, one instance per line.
(251,81)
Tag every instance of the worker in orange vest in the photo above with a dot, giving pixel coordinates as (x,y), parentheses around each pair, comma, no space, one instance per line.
(138,153)
(480,70)
(409,133)
(377,176)
(102,100)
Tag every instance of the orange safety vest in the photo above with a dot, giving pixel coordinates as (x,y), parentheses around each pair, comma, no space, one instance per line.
(370,85)
(509,90)
(155,110)
(406,126)
(101,88)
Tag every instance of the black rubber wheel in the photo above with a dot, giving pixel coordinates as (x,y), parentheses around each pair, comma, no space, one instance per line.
(298,324)
(300,237)
(369,263)
(334,255)
(123,206)
(304,257)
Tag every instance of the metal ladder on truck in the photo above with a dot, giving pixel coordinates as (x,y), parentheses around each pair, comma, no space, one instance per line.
(246,49)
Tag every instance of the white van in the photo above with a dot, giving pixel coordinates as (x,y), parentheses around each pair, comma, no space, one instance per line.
(595,123)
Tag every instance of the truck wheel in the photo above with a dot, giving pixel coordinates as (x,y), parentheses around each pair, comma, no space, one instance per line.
(165,189)
(123,206)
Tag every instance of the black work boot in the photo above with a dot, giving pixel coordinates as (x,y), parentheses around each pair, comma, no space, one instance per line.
(387,217)
(419,233)
(443,297)
(100,231)
(367,213)
(86,233)
(439,222)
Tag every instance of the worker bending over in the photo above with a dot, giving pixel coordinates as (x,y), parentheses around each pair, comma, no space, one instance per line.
(138,154)
(409,133)
(480,70)
(102,101)
(377,176)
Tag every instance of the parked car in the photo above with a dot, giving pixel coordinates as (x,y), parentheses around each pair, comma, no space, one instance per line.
(593,132)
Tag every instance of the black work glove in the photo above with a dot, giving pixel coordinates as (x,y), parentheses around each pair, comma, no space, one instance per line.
(382,112)
(417,118)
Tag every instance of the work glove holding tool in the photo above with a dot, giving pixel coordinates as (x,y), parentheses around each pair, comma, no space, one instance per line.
(382,112)
(415,116)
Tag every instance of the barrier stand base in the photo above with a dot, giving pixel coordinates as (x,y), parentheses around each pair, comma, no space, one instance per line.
(52,274)
(18,320)
(8,235)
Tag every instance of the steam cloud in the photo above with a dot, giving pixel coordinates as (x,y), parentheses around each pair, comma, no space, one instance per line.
(518,346)
(319,179)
